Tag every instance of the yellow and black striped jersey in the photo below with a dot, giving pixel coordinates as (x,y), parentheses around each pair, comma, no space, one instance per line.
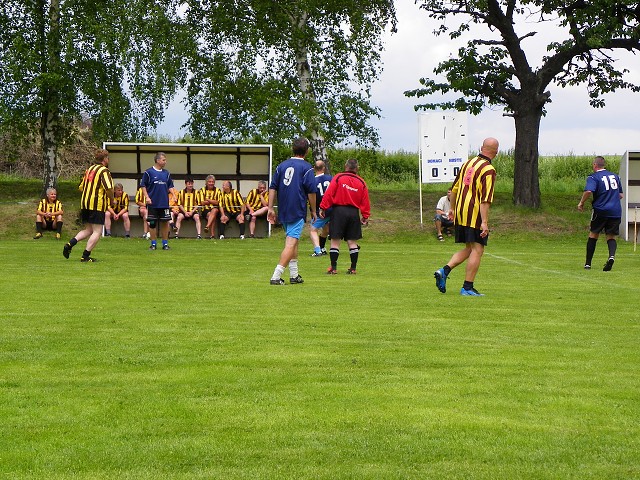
(121,203)
(188,200)
(473,185)
(95,183)
(140,198)
(215,194)
(232,201)
(49,207)
(254,201)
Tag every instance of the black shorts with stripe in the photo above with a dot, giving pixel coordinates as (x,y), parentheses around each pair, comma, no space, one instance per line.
(345,223)
(158,214)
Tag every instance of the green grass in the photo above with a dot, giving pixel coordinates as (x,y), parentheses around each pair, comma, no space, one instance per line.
(187,364)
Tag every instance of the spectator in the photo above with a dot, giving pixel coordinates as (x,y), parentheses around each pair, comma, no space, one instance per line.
(349,197)
(320,227)
(442,218)
(49,214)
(472,195)
(257,206)
(606,189)
(232,207)
(210,197)
(97,196)
(119,211)
(142,212)
(293,184)
(188,202)
(157,185)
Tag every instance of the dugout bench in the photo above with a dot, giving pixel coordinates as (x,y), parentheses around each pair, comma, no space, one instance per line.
(243,165)
(630,178)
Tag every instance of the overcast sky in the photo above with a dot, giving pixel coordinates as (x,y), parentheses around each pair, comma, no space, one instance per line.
(571,124)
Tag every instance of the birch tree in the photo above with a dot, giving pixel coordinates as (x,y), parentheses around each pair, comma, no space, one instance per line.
(274,70)
(117,63)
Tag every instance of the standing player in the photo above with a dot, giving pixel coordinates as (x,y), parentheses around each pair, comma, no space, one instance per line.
(97,196)
(606,189)
(156,186)
(349,197)
(320,227)
(293,182)
(471,197)
(49,214)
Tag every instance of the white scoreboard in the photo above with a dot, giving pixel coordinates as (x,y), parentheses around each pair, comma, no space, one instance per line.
(444,145)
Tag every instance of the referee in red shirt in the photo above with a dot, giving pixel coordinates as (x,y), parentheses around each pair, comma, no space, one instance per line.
(349,197)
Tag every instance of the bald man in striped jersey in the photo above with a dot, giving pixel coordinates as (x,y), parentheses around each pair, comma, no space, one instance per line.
(471,197)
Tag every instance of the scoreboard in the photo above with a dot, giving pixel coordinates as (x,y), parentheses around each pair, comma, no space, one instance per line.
(444,145)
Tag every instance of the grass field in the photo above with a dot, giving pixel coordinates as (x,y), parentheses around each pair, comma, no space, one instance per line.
(187,364)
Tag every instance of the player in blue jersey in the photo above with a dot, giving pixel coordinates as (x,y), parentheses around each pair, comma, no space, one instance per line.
(320,227)
(606,189)
(156,186)
(294,183)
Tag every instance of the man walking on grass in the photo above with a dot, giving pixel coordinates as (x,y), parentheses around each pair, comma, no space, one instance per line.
(471,197)
(606,189)
(97,196)
(293,183)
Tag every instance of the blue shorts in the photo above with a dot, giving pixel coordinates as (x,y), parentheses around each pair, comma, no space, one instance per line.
(294,229)
(320,222)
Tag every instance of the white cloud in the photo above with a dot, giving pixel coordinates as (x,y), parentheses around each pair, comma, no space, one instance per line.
(571,124)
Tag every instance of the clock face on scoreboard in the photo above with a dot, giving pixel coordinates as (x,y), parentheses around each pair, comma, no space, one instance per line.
(444,145)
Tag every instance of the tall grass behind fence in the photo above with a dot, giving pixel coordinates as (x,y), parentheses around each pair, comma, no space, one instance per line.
(400,169)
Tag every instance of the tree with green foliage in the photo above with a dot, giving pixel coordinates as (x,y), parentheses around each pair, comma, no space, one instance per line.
(271,71)
(496,70)
(116,63)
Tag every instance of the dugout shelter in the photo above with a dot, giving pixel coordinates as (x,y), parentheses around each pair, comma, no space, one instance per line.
(630,178)
(243,165)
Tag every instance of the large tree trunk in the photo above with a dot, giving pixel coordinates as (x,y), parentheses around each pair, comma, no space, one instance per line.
(526,185)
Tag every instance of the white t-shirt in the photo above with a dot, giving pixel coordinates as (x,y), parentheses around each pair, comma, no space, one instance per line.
(444,204)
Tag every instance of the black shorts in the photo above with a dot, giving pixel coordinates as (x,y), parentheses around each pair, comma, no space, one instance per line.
(92,216)
(610,225)
(48,225)
(158,214)
(233,215)
(470,235)
(345,223)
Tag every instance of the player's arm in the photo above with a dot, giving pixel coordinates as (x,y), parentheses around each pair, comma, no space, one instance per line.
(271,213)
(585,196)
(484,214)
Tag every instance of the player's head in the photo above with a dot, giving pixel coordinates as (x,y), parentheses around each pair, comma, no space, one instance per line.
(52,194)
(211,181)
(160,159)
(351,165)
(188,182)
(319,167)
(300,147)
(226,186)
(490,147)
(118,189)
(102,156)
(262,186)
(598,163)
